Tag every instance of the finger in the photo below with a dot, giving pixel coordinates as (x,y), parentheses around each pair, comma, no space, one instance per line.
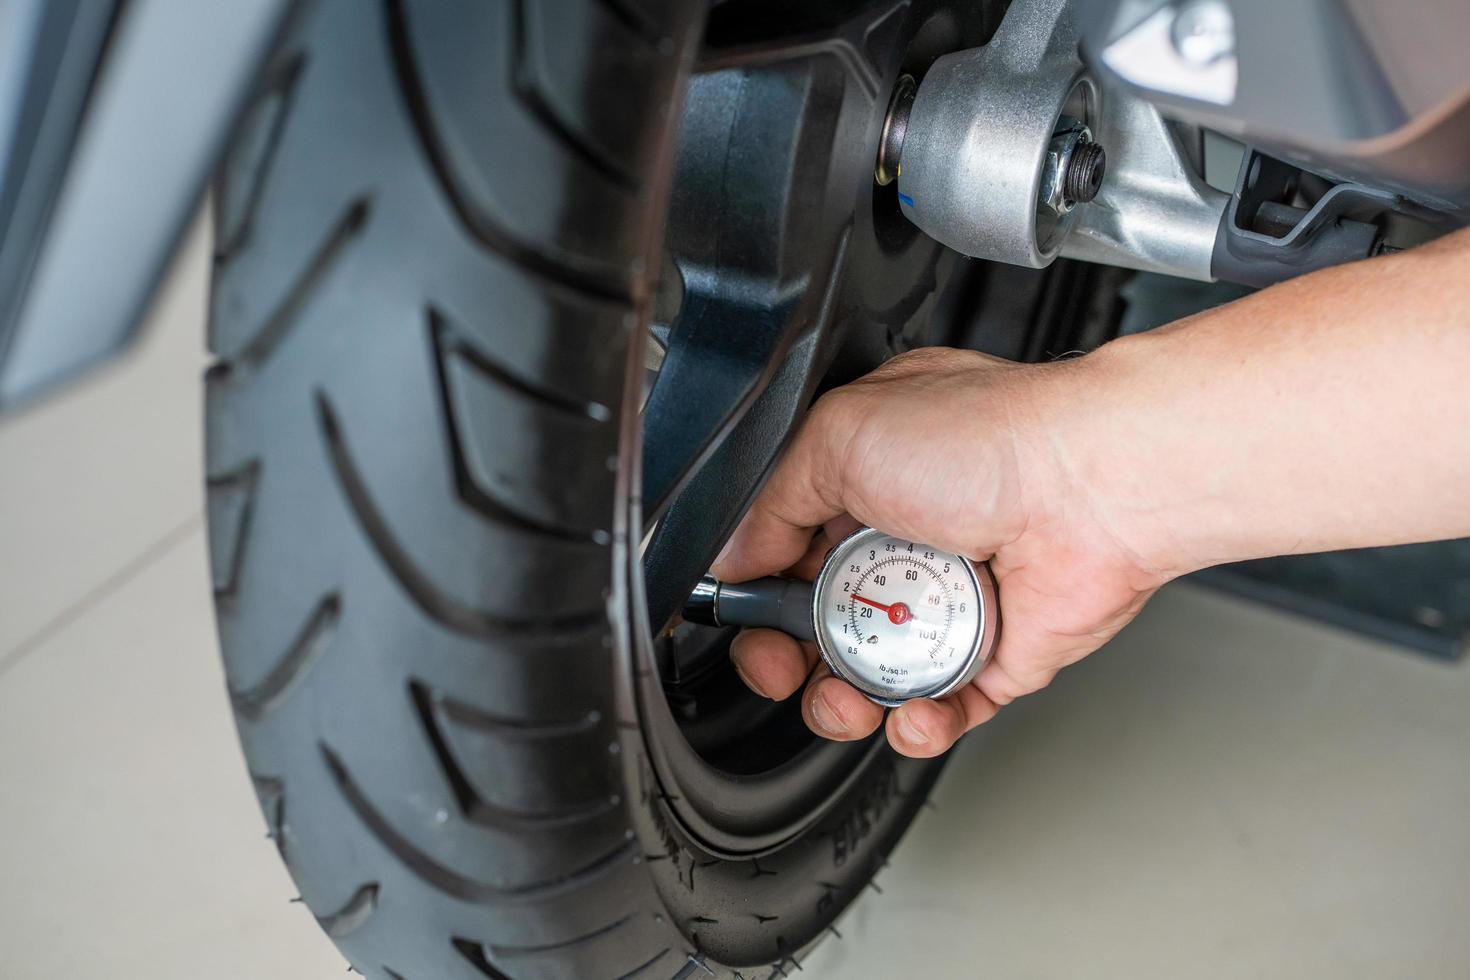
(1004,681)
(799,497)
(835,710)
(770,663)
(922,729)
(832,532)
(838,528)
(1025,661)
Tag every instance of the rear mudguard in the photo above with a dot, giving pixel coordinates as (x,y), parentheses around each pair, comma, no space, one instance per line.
(112,116)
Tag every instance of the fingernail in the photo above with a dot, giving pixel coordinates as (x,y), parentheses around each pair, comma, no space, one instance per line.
(723,553)
(910,732)
(825,718)
(750,683)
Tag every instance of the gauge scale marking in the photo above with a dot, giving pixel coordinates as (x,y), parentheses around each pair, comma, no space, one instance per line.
(936,613)
(900,620)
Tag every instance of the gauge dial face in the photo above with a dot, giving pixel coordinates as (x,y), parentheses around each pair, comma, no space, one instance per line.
(900,620)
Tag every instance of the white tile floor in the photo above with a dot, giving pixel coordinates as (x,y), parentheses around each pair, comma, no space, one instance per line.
(1224,792)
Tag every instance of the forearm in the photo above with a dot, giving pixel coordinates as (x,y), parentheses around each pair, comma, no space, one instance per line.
(1332,411)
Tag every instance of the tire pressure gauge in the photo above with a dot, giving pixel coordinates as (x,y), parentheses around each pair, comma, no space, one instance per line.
(895,619)
(899,620)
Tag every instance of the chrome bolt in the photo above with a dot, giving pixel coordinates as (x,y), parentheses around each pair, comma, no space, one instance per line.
(1203,32)
(1084,172)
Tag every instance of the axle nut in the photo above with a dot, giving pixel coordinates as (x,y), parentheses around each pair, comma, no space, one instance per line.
(1073,169)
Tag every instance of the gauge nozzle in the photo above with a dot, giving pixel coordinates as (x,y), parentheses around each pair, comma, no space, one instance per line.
(779,603)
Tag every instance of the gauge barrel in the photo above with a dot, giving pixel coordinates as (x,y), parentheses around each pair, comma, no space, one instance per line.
(778,603)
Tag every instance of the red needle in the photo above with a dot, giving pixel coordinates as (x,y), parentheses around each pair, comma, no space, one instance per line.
(898,613)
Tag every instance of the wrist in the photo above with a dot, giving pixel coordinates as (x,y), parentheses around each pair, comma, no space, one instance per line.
(1097,415)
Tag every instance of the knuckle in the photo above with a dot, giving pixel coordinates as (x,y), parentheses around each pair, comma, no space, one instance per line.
(830,408)
(918,357)
(917,361)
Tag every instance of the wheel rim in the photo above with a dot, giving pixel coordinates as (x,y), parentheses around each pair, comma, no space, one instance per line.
(798,272)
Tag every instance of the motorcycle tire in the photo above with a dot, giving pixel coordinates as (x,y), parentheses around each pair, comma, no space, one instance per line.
(438,232)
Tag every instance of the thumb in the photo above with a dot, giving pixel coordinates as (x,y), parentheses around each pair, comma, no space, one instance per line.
(801,495)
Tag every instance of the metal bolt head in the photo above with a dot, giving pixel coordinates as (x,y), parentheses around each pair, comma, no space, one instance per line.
(1073,169)
(1203,32)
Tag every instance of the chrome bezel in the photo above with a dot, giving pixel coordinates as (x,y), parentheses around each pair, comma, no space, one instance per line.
(981,580)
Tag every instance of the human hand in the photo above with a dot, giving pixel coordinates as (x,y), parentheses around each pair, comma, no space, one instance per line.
(970,454)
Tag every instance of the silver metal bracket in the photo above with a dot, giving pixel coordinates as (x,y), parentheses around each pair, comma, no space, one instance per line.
(1153,211)
(981,127)
(993,133)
